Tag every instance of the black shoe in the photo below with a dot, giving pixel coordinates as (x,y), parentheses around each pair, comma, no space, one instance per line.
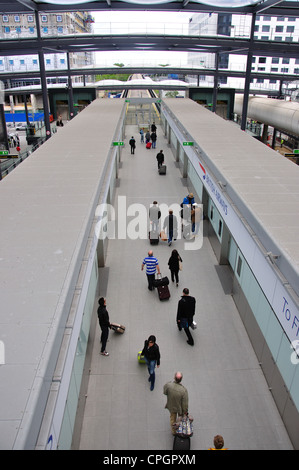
(189,342)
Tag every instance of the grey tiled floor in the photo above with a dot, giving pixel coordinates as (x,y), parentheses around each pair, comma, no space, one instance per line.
(228,394)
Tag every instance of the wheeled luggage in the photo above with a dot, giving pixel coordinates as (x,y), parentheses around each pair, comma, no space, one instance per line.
(161,281)
(153,237)
(163,292)
(117,328)
(162,170)
(181,443)
(148,145)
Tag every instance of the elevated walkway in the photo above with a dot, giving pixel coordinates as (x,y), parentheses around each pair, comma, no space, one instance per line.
(228,393)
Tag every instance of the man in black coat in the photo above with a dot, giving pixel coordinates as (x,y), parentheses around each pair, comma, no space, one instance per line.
(104,324)
(185,314)
(160,158)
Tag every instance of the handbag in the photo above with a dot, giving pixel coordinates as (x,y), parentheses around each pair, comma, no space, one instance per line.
(140,358)
(184,426)
(180,266)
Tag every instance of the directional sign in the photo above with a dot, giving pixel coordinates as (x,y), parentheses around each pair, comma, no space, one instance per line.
(188,143)
(296,150)
(116,144)
(4,152)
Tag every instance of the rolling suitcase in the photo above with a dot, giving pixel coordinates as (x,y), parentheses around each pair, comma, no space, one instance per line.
(162,170)
(148,145)
(117,328)
(153,237)
(181,443)
(163,292)
(161,281)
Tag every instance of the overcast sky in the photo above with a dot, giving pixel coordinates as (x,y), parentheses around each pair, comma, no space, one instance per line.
(174,22)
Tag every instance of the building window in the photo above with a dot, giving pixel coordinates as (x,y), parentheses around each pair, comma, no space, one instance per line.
(277,38)
(6,29)
(10,62)
(17,19)
(34,61)
(31,30)
(285,60)
(280,18)
(296,70)
(284,70)
(290,29)
(59,18)
(279,29)
(267,18)
(265,29)
(273,82)
(5,18)
(261,69)
(265,38)
(262,60)
(62,61)
(59,29)
(30,18)
(274,69)
(48,61)
(275,60)
(45,30)
(18,29)
(44,18)
(22,62)
(259,80)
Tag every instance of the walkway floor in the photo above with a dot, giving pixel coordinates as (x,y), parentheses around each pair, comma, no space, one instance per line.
(228,394)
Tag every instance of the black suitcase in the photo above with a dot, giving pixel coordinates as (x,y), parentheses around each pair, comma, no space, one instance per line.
(162,170)
(162,281)
(153,237)
(181,443)
(163,292)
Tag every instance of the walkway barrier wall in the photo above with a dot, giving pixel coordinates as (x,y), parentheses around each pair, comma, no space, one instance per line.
(59,420)
(267,304)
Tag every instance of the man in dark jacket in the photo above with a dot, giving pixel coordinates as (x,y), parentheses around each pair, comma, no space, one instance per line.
(171,226)
(160,158)
(185,313)
(104,324)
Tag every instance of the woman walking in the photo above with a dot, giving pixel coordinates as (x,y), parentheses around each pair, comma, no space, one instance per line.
(151,355)
(174,266)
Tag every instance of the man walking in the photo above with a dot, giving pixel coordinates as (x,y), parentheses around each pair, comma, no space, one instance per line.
(132,143)
(177,399)
(171,226)
(104,322)
(152,266)
(154,216)
(160,158)
(185,313)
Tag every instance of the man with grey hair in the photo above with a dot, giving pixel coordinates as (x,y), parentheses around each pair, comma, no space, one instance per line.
(177,399)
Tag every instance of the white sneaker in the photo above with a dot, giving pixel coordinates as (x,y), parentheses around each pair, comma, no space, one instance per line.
(104,353)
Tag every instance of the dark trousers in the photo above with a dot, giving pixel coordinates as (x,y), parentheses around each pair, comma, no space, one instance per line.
(104,337)
(174,274)
(150,279)
(189,336)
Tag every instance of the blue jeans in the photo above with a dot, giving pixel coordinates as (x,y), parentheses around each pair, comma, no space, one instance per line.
(151,370)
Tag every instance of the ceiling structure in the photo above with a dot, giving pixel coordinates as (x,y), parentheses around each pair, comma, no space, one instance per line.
(273,7)
(146,41)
